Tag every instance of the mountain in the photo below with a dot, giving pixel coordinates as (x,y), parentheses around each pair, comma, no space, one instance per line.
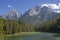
(0,16)
(34,15)
(12,15)
(39,14)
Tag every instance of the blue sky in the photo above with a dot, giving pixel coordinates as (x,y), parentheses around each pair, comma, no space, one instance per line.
(22,5)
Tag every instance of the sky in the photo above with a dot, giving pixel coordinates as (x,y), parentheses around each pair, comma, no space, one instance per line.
(22,5)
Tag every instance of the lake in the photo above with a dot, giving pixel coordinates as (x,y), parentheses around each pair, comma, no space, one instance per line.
(42,36)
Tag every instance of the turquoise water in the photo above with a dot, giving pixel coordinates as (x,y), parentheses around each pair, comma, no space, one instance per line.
(39,36)
(42,36)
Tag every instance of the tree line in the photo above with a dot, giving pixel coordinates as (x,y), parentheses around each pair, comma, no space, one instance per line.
(13,26)
(50,26)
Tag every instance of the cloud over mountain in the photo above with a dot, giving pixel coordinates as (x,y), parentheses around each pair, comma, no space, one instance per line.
(52,6)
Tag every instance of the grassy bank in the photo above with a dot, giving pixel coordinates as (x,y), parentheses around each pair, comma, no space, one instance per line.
(17,36)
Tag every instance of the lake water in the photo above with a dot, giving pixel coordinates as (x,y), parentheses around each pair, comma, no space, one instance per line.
(42,36)
(39,36)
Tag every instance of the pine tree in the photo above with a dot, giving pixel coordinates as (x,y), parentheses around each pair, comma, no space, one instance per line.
(1,30)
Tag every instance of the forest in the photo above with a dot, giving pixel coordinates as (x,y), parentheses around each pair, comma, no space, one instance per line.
(13,26)
(50,26)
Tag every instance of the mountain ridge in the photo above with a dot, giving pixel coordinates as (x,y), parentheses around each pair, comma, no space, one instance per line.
(43,14)
(12,15)
(34,15)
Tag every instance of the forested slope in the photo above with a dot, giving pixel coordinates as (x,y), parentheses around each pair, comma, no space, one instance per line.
(50,26)
(13,26)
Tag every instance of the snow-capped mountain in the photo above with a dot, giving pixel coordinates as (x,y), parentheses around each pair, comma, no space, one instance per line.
(54,7)
(39,14)
(12,15)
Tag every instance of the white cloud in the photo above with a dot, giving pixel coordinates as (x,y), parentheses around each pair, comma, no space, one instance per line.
(52,6)
(59,4)
(57,11)
(9,6)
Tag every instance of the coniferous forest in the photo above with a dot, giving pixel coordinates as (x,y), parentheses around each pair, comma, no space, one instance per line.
(50,26)
(13,26)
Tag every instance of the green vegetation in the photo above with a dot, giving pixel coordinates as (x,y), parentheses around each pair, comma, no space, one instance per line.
(50,26)
(10,28)
(1,30)
(13,26)
(58,35)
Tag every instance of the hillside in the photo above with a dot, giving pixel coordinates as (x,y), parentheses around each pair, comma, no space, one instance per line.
(50,26)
